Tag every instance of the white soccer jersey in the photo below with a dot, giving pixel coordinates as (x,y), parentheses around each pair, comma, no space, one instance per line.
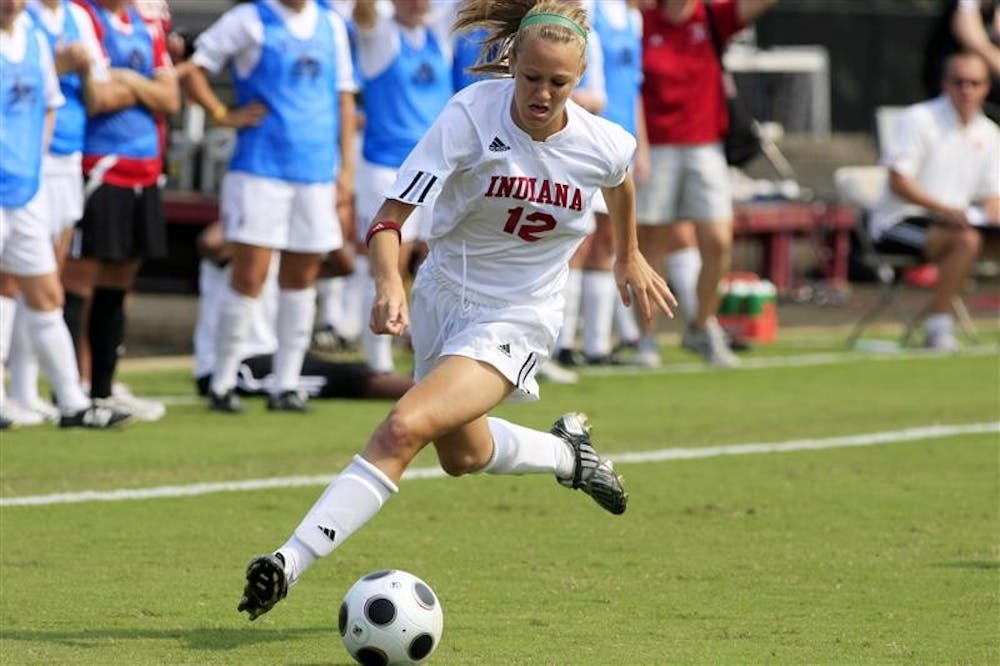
(509,212)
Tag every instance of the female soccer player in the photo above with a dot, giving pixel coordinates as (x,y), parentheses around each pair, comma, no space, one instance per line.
(511,166)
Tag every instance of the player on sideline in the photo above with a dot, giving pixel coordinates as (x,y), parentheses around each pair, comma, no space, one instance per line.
(29,96)
(511,166)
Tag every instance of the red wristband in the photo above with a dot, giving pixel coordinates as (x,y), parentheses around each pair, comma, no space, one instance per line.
(382,225)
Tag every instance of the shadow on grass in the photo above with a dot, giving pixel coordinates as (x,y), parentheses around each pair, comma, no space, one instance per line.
(985,565)
(208,639)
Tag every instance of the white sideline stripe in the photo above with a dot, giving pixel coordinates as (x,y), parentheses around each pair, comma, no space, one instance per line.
(868,439)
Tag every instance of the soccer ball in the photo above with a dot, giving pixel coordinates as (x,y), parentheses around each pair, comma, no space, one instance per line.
(390,617)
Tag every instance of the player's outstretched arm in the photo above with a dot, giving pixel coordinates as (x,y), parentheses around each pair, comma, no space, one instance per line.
(633,274)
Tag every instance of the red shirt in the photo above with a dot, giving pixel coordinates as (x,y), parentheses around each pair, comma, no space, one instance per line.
(682,85)
(127,171)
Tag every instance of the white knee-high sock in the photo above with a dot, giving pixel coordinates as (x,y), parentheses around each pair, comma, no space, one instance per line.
(520,450)
(598,306)
(351,500)
(571,310)
(22,364)
(330,302)
(54,349)
(8,308)
(683,268)
(296,311)
(377,348)
(625,324)
(235,317)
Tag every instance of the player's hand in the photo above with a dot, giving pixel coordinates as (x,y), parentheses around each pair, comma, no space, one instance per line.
(390,314)
(634,276)
(71,57)
(250,115)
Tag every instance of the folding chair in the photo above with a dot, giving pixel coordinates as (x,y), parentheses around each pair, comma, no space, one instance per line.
(861,186)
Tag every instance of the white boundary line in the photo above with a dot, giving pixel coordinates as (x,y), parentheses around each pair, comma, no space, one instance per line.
(868,439)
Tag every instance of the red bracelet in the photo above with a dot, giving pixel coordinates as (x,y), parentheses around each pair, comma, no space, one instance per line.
(383,225)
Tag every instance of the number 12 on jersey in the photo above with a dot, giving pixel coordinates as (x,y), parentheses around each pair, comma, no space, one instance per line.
(534,224)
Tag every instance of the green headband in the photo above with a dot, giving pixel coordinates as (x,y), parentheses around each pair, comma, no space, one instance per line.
(553,19)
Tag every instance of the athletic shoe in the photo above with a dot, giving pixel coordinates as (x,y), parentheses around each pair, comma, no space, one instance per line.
(95,416)
(943,341)
(592,474)
(288,401)
(21,415)
(326,338)
(227,403)
(6,423)
(555,373)
(46,410)
(141,408)
(570,358)
(711,343)
(647,354)
(266,585)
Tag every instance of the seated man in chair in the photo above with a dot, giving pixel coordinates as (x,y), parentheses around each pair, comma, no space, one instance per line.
(942,199)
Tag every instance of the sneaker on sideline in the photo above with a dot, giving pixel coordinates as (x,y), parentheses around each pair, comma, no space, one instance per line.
(647,354)
(48,411)
(943,342)
(712,344)
(140,408)
(226,403)
(555,373)
(21,415)
(288,401)
(95,417)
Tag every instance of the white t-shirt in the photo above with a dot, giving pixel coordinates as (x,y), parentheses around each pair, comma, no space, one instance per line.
(508,211)
(953,163)
(379,45)
(238,37)
(53,21)
(14,46)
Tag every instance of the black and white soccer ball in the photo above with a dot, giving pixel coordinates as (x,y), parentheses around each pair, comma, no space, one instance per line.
(390,617)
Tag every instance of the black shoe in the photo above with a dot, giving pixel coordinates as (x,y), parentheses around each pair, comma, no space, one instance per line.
(6,423)
(227,403)
(326,338)
(592,474)
(288,401)
(266,585)
(570,358)
(96,417)
(606,359)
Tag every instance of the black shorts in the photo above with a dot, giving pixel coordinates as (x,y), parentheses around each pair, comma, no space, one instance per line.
(320,378)
(121,223)
(908,236)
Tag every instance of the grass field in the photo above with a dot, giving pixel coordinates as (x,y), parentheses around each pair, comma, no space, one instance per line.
(872,550)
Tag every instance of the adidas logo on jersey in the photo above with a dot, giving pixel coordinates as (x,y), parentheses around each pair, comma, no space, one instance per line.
(504,349)
(498,146)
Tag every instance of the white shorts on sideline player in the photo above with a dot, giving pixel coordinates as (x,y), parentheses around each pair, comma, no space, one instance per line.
(447,320)
(371,185)
(25,243)
(62,180)
(267,212)
(685,183)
